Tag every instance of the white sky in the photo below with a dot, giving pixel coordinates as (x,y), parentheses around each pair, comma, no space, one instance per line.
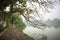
(54,14)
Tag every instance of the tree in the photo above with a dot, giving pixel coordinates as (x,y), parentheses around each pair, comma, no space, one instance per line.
(20,7)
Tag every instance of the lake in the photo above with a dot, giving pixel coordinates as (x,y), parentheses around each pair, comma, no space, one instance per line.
(51,33)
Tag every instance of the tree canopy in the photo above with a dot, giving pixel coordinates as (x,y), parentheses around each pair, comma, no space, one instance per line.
(20,7)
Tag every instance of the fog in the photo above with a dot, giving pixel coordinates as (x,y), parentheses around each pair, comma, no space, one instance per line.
(51,33)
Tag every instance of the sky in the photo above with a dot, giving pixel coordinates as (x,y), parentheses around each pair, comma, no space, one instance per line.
(54,14)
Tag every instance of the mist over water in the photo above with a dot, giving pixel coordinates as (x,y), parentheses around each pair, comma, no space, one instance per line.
(51,33)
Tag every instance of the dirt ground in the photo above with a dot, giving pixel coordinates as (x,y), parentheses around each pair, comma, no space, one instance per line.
(14,34)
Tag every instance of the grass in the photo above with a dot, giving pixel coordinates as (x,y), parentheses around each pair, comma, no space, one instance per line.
(2,28)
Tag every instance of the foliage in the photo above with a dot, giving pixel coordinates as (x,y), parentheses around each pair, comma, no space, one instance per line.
(20,7)
(1,29)
(18,22)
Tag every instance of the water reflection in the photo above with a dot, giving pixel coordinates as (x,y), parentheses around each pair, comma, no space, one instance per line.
(46,34)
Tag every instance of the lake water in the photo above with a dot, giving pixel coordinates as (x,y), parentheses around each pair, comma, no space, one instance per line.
(51,33)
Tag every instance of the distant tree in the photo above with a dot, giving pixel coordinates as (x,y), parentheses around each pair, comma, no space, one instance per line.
(55,23)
